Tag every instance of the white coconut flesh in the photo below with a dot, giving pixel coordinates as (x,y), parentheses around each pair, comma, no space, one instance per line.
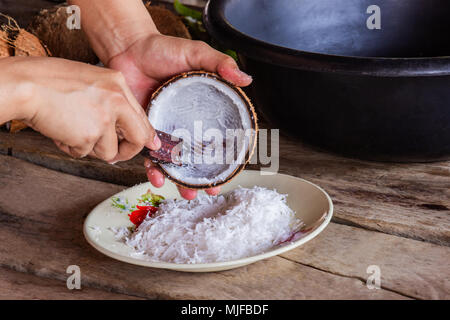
(199,101)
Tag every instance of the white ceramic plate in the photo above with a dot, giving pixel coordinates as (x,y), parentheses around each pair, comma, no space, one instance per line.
(311,204)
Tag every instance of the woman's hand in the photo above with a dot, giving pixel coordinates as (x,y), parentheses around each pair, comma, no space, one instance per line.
(154,59)
(86,110)
(151,60)
(125,38)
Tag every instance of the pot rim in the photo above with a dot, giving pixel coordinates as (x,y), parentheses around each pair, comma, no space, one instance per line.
(221,30)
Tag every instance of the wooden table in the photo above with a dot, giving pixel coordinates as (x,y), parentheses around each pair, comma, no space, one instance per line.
(395,216)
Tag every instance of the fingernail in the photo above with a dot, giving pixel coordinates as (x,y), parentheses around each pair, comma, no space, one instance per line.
(160,182)
(113,162)
(243,75)
(155,144)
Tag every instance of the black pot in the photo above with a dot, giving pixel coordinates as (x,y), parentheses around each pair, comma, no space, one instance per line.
(321,74)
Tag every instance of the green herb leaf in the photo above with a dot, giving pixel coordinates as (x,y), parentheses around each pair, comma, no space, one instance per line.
(181,9)
(231,53)
(150,198)
(194,25)
(119,203)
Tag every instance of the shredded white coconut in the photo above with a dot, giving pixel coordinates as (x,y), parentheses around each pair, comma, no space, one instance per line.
(238,224)
(120,233)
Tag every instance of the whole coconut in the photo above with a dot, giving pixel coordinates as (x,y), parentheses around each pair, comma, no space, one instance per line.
(50,26)
(167,22)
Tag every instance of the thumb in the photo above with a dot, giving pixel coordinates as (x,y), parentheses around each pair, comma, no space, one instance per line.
(201,56)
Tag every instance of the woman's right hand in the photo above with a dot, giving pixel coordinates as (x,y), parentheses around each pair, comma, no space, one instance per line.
(86,110)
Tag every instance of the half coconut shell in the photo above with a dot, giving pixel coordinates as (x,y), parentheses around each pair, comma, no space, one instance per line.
(202,99)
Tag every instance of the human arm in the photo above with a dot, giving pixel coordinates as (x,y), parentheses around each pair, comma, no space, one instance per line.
(85,109)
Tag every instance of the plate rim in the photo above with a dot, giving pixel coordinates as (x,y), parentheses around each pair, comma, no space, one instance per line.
(212,265)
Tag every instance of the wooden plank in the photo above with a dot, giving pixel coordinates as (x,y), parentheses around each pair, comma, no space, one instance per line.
(44,237)
(22,286)
(410,200)
(35,148)
(415,268)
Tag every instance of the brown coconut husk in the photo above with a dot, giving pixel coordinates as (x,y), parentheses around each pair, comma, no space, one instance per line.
(22,42)
(27,45)
(15,41)
(6,43)
(16,125)
(250,110)
(167,22)
(5,47)
(49,25)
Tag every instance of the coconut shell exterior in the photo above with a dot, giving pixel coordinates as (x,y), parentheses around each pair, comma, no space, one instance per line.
(16,126)
(250,110)
(27,45)
(5,47)
(167,22)
(50,27)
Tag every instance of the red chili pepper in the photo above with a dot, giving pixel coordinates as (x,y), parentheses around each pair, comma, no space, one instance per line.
(152,209)
(137,216)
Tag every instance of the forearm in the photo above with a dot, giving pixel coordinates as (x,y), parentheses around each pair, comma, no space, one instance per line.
(16,91)
(113,25)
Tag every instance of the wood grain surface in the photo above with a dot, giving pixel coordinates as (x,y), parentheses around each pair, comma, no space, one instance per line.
(19,285)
